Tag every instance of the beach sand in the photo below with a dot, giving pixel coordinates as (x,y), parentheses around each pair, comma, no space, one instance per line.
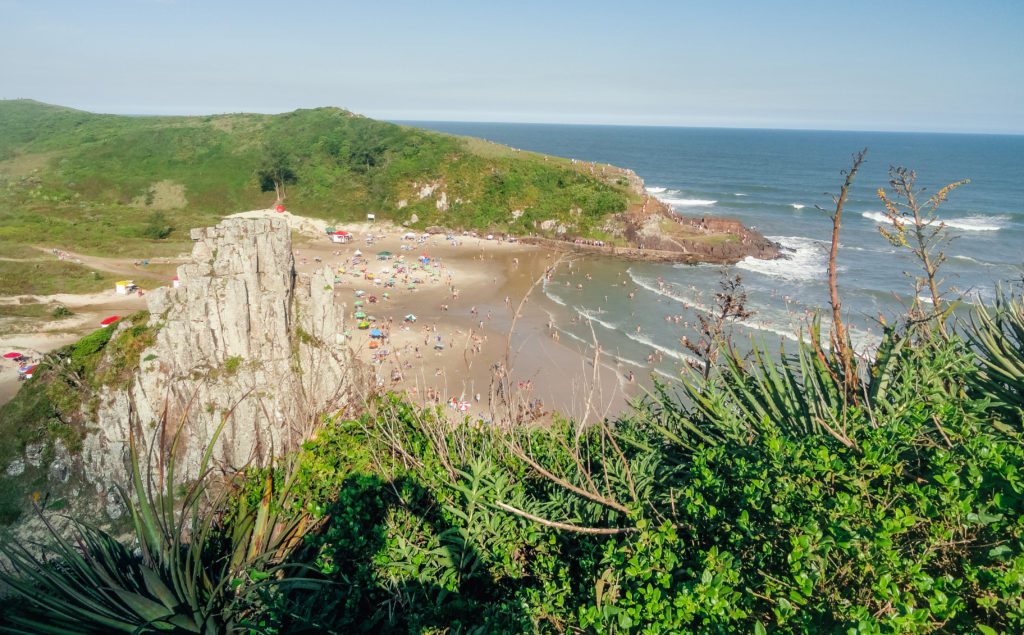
(481,297)
(475,292)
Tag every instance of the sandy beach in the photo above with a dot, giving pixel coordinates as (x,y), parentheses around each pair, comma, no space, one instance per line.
(473,293)
(479,336)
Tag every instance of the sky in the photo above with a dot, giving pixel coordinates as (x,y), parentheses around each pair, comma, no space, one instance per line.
(906,65)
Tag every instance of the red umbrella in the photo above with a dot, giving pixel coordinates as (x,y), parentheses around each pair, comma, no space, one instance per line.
(12,355)
(110,320)
(280,208)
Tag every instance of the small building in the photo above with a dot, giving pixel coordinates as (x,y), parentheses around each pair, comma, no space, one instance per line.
(124,287)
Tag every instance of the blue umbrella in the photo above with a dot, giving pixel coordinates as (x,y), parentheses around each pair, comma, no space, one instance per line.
(375,333)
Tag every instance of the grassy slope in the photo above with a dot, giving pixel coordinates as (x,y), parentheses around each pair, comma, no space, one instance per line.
(91,183)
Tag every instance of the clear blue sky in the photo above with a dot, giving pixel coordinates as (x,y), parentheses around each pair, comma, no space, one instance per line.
(912,65)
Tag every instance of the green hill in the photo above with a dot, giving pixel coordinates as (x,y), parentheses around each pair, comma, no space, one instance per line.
(110,184)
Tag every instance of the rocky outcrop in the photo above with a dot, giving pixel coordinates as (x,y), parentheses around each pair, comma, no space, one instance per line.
(243,340)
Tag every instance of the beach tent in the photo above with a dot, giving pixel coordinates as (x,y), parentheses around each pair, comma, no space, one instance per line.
(359,253)
(110,320)
(375,333)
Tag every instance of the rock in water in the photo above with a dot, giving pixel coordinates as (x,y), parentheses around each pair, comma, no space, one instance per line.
(243,339)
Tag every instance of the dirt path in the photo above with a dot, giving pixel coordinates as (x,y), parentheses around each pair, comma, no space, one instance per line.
(121,266)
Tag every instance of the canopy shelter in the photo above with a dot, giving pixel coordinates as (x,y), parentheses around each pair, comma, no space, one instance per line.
(110,320)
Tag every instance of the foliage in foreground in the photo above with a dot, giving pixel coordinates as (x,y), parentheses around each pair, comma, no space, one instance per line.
(768,503)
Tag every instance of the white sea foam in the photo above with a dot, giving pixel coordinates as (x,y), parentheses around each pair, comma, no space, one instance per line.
(968,259)
(975,223)
(655,190)
(740,194)
(554,298)
(688,202)
(646,341)
(592,316)
(797,206)
(807,261)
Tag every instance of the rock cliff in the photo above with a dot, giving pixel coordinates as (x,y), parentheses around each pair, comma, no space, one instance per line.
(243,337)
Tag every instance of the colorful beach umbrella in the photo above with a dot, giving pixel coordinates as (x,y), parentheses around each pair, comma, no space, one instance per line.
(358,315)
(364,325)
(375,333)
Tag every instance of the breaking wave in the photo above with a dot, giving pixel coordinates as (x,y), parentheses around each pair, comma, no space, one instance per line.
(975,223)
(807,260)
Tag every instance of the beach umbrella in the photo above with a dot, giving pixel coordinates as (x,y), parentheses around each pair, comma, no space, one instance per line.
(359,253)
(411,317)
(372,319)
(412,286)
(386,294)
(375,333)
(358,303)
(358,315)
(110,320)
(463,406)
(374,344)
(364,325)
(12,355)
(385,254)
(279,208)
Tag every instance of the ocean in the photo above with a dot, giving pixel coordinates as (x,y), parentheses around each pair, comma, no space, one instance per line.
(772,180)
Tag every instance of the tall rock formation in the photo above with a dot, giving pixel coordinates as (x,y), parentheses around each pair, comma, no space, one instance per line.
(242,337)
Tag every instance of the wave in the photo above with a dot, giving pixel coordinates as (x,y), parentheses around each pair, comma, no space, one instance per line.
(655,190)
(807,260)
(554,298)
(591,316)
(974,223)
(687,301)
(646,341)
(797,205)
(740,194)
(688,202)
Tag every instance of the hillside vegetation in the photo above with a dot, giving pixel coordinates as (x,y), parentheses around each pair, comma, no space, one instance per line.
(108,184)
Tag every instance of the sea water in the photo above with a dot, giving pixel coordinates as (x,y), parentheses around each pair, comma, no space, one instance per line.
(773,180)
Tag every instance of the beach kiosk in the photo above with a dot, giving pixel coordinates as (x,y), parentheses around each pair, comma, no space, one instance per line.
(124,287)
(340,237)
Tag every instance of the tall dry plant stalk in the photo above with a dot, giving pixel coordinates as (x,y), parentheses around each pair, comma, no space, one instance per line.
(915,225)
(842,348)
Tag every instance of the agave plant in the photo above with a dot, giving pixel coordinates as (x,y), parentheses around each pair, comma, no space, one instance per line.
(203,559)
(997,335)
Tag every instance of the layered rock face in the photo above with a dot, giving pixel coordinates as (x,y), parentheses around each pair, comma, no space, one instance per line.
(242,339)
